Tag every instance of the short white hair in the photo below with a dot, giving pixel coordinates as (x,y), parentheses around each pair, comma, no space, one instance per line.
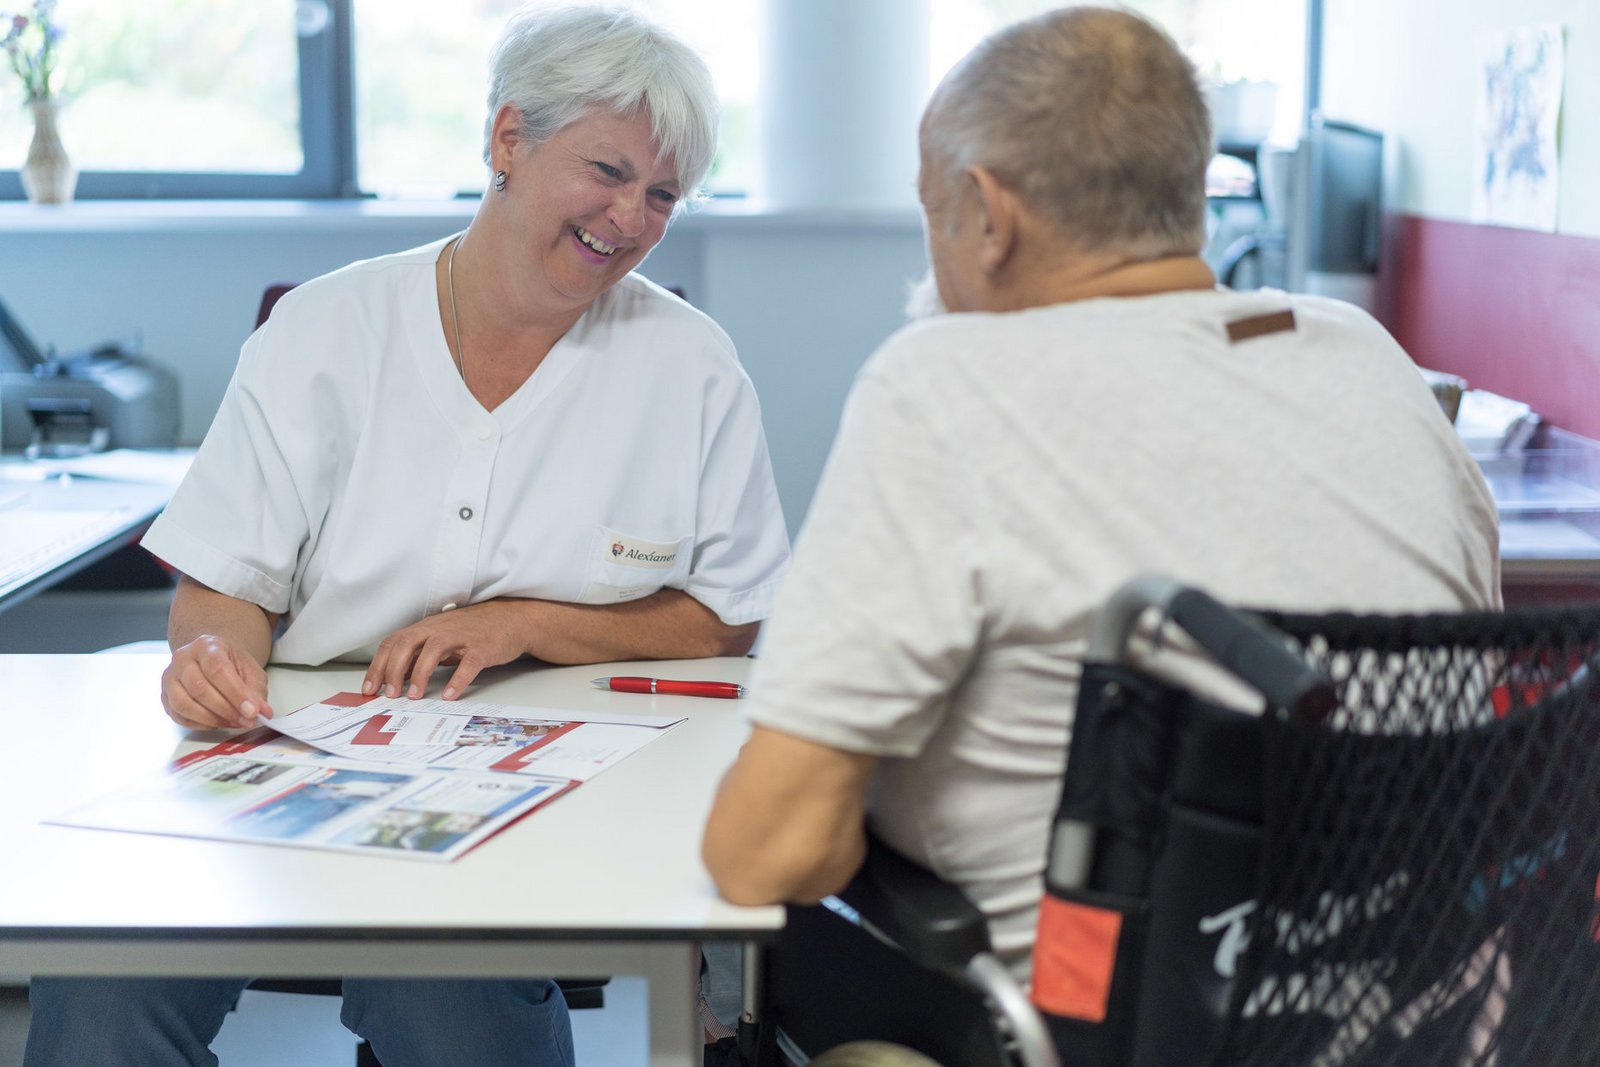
(556,64)
(1095,116)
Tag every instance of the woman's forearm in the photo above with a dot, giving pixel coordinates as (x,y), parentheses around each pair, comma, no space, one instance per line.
(669,624)
(198,609)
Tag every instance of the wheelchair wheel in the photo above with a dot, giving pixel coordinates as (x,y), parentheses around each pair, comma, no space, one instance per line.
(871,1054)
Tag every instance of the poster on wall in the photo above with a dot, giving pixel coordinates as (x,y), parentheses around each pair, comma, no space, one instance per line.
(1516,167)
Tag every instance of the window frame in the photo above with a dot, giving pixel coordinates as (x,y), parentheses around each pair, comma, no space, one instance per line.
(327,139)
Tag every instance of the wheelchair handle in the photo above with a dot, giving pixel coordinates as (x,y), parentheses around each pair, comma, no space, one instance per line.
(1247,649)
(1252,652)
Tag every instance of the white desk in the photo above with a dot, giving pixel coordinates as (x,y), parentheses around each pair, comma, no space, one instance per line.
(1549,505)
(53,526)
(605,880)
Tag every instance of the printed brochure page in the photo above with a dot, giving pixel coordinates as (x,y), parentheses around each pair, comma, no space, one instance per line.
(422,778)
(415,812)
(470,734)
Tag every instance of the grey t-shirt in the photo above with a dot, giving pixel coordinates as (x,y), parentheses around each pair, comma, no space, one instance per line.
(997,476)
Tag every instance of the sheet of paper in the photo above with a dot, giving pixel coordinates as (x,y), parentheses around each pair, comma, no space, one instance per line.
(471,734)
(33,540)
(319,803)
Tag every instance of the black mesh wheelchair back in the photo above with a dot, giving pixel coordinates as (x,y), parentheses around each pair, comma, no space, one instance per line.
(1408,878)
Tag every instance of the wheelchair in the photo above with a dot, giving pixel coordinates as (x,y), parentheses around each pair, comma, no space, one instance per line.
(1396,861)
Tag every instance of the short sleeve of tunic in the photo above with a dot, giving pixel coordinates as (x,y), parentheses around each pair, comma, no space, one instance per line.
(240,518)
(742,548)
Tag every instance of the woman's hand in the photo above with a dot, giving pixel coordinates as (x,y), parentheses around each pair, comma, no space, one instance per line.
(214,683)
(667,624)
(471,638)
(216,678)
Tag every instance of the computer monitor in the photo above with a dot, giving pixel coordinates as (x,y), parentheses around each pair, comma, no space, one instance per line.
(1336,217)
(1345,197)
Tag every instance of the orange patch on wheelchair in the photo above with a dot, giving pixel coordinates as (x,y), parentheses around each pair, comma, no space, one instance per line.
(1073,957)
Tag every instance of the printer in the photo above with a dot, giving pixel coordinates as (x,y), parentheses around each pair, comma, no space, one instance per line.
(101,397)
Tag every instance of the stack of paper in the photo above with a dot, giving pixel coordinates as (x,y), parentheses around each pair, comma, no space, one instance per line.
(1490,423)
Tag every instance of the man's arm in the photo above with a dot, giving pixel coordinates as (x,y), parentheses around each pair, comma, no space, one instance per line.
(789,822)
(220,646)
(668,624)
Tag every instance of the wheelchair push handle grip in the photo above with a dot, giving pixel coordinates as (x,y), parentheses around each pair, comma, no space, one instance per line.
(1254,654)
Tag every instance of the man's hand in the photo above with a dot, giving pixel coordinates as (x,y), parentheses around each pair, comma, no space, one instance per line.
(471,638)
(213,683)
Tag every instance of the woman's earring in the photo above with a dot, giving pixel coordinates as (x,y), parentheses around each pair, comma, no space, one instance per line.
(499,181)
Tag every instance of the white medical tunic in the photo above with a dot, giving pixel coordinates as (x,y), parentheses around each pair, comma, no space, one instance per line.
(352,483)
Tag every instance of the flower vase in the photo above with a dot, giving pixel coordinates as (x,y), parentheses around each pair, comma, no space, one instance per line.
(48,176)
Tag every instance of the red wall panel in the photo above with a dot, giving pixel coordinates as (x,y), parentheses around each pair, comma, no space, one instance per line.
(1512,311)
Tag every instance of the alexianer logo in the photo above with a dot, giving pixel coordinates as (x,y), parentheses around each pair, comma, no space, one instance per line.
(637,552)
(646,556)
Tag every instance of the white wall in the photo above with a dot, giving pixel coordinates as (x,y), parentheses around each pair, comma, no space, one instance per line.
(806,301)
(1410,68)
(805,297)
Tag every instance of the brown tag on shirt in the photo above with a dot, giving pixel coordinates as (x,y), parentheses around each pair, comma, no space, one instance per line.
(1260,325)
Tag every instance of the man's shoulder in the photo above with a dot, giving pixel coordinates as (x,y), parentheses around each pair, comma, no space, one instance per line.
(1158,327)
(1312,303)
(939,341)
(952,350)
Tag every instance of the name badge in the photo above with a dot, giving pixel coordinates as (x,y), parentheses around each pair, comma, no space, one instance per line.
(634,552)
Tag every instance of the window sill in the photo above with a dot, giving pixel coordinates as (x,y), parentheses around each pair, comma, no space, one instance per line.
(134,216)
(147,216)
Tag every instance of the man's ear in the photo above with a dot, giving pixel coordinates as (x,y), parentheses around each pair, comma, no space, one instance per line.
(998,210)
(504,136)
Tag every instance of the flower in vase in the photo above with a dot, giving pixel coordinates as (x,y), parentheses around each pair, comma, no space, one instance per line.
(30,43)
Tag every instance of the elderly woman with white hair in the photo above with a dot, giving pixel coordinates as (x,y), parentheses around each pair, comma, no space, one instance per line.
(500,444)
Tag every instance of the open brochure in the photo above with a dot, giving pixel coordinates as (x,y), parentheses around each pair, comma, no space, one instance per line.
(470,734)
(428,779)
(321,804)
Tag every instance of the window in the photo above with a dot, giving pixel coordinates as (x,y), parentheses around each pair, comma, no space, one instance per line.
(1249,53)
(420,83)
(189,98)
(322,98)
(192,98)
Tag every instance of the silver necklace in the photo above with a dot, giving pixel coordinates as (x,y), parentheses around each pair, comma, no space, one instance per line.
(455,320)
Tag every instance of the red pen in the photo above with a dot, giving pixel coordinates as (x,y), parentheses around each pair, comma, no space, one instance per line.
(670,685)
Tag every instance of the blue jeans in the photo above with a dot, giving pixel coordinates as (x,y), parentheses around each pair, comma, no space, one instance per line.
(157,1022)
(721,980)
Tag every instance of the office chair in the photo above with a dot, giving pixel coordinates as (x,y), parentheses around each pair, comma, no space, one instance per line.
(269,297)
(1396,863)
